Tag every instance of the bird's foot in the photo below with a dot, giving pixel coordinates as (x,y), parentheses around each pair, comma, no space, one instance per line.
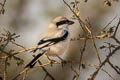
(51,61)
(63,62)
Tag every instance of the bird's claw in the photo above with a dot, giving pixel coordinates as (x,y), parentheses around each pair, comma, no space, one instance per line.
(63,62)
(52,62)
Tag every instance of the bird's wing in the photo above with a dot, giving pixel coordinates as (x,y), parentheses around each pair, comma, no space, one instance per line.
(51,41)
(55,39)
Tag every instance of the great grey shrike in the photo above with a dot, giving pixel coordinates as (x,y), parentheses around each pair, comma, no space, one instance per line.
(56,39)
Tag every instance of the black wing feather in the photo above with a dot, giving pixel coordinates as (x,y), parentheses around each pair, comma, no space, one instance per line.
(54,40)
(51,41)
(32,63)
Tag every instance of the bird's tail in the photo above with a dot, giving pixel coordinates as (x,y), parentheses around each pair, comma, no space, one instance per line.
(33,61)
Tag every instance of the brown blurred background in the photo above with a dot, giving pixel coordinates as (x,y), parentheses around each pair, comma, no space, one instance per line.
(30,18)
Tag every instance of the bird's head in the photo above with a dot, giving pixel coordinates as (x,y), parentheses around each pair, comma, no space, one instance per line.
(60,23)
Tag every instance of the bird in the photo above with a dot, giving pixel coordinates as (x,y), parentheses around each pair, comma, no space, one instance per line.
(55,40)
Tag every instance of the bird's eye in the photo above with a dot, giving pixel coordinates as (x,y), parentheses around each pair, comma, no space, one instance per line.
(62,22)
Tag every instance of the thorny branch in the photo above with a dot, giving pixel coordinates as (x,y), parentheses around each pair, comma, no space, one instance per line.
(91,35)
(108,57)
(84,27)
(113,67)
(108,74)
(2,10)
(109,2)
(80,21)
(103,63)
(77,72)
(45,70)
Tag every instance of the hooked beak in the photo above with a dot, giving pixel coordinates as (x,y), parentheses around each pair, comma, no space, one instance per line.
(71,22)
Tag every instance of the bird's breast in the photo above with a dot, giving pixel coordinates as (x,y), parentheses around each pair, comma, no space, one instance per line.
(59,48)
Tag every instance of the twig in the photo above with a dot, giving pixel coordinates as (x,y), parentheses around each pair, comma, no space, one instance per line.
(9,55)
(114,35)
(77,72)
(25,70)
(79,20)
(102,36)
(76,76)
(82,51)
(109,23)
(116,28)
(45,77)
(96,51)
(103,63)
(2,10)
(108,74)
(17,44)
(4,3)
(5,70)
(113,67)
(47,73)
(24,76)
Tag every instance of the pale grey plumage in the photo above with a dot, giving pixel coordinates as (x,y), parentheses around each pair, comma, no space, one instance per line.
(55,31)
(55,41)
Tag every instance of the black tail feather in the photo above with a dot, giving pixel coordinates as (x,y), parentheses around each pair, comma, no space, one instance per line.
(32,63)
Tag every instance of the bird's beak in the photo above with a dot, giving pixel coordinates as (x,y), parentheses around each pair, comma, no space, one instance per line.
(70,22)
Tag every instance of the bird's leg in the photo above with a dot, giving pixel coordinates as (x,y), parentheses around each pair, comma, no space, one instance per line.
(62,61)
(51,61)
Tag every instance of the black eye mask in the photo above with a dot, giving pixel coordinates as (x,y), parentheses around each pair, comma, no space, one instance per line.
(62,22)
